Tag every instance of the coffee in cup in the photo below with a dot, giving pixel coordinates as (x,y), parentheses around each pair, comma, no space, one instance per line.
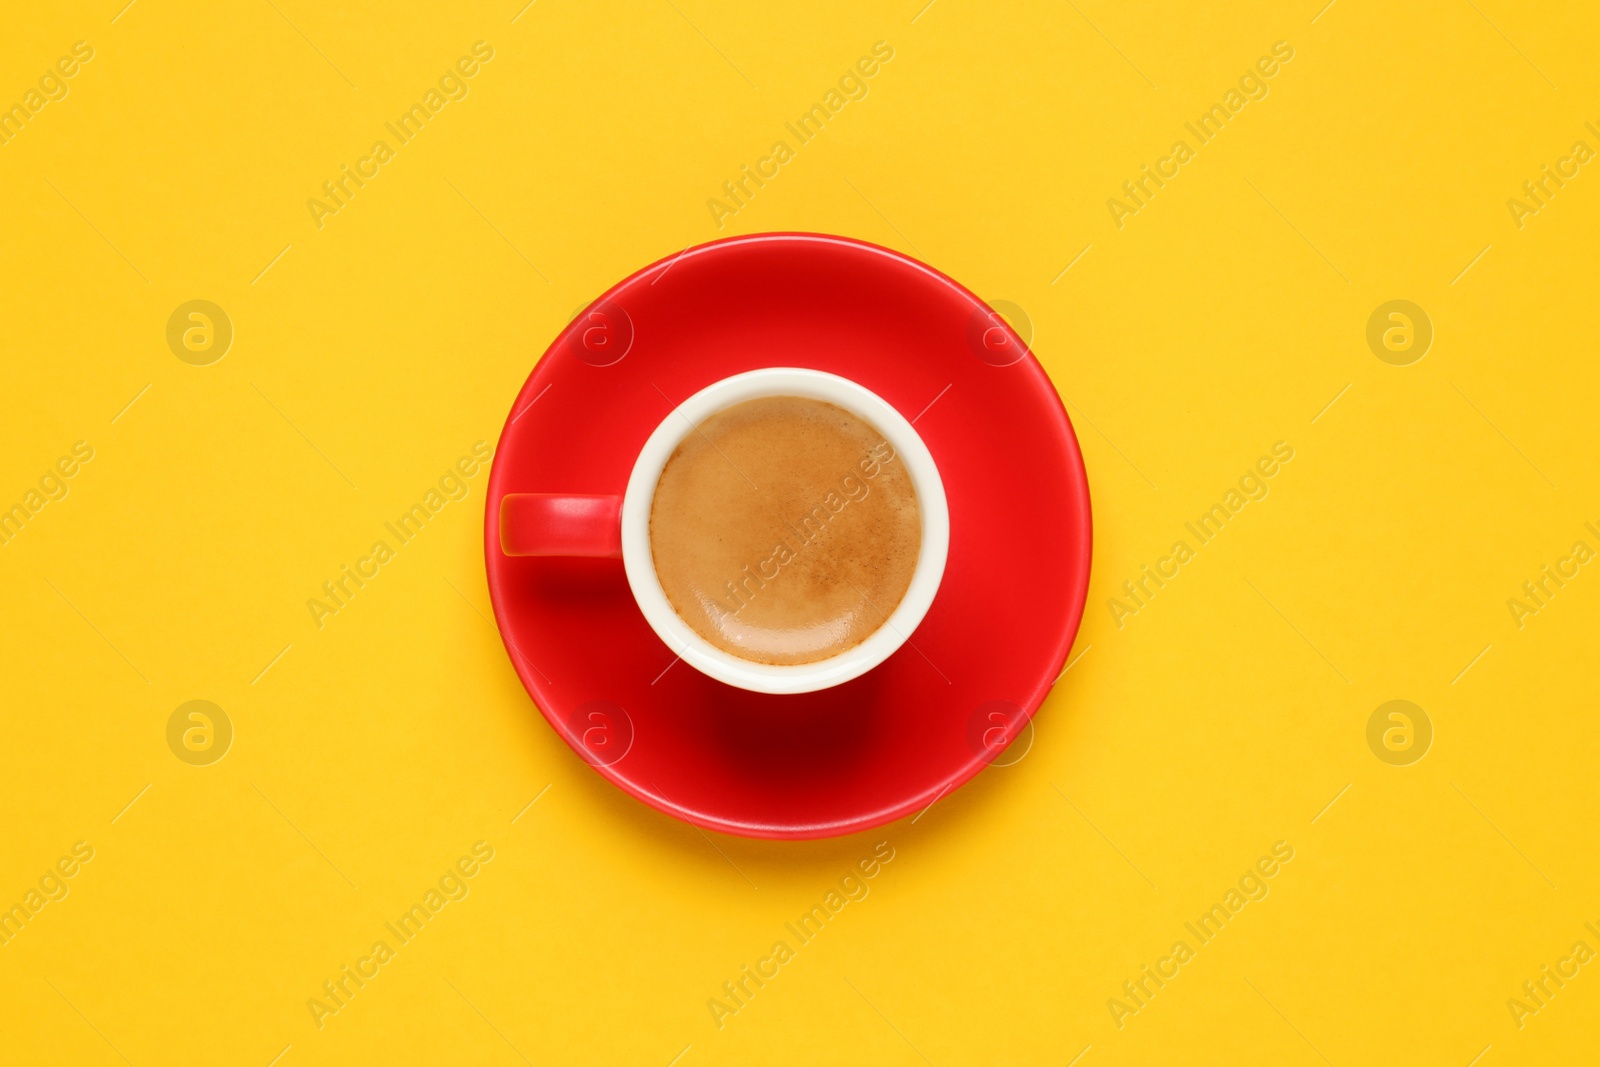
(785,530)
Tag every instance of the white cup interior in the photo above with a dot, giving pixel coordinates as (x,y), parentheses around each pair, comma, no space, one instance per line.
(801,677)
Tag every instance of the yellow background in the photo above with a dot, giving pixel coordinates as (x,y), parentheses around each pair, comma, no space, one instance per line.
(1225,716)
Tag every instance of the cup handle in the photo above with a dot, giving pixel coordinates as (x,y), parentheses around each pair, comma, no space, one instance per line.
(560,524)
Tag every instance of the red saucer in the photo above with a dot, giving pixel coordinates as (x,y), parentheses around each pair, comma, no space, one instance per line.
(896,739)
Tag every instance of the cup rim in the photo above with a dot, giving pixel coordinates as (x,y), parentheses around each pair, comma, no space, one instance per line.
(638,560)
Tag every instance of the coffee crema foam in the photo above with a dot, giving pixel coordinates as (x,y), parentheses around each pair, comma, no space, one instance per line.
(785,530)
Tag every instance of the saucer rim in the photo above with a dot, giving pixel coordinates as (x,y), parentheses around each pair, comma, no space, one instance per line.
(1079,533)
